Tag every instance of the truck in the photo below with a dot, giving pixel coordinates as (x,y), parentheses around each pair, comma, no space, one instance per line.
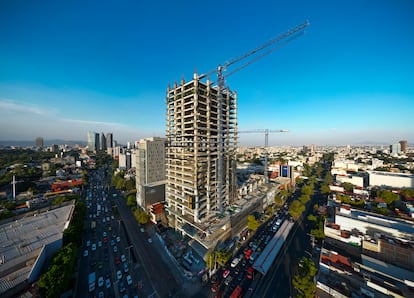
(92,280)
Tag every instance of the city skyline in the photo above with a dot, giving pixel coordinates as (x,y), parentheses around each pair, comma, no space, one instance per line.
(70,68)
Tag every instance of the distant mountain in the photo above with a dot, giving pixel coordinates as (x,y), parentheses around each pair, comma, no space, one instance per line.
(46,143)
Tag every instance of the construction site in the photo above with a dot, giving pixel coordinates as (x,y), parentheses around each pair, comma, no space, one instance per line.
(202,137)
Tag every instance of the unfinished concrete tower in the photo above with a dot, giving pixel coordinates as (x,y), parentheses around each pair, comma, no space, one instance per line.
(193,149)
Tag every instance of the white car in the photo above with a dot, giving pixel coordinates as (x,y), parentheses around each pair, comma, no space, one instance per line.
(149,240)
(129,280)
(99,243)
(94,247)
(126,269)
(123,259)
(88,243)
(100,281)
(118,239)
(119,274)
(85,253)
(115,248)
(104,234)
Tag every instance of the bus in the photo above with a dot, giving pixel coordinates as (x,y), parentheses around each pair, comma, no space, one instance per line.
(237,292)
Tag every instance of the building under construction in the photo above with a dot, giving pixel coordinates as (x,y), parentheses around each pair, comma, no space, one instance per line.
(194,152)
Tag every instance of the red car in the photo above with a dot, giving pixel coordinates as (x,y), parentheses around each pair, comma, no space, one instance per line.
(250,273)
(105,240)
(226,273)
(117,260)
(215,286)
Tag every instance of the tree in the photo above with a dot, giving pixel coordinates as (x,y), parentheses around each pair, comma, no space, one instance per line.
(222,257)
(141,216)
(131,201)
(303,282)
(278,200)
(304,199)
(252,223)
(388,196)
(348,187)
(299,181)
(296,209)
(325,189)
(307,190)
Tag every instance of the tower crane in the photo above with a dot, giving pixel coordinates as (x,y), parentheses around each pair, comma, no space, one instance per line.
(254,55)
(266,133)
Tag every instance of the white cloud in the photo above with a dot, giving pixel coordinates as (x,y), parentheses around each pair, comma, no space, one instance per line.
(14,106)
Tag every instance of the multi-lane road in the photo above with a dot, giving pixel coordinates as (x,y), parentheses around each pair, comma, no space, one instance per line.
(122,253)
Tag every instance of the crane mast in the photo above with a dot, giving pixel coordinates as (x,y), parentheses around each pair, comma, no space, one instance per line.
(277,42)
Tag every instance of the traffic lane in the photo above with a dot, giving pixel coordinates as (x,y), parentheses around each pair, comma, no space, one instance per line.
(157,272)
(147,262)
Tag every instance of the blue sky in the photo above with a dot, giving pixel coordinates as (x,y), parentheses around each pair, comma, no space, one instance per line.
(67,67)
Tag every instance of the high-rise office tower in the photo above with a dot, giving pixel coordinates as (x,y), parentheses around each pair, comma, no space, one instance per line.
(109,140)
(102,142)
(39,142)
(93,141)
(193,150)
(150,171)
(395,148)
(403,145)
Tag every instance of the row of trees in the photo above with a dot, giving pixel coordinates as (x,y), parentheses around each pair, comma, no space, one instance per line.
(57,279)
(121,183)
(303,281)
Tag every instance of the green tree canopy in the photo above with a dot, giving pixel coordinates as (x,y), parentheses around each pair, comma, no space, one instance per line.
(252,223)
(388,196)
(348,187)
(131,201)
(296,209)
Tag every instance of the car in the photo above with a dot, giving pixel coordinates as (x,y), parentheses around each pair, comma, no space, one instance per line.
(142,230)
(118,239)
(115,248)
(123,259)
(112,242)
(117,260)
(105,240)
(100,294)
(126,269)
(100,265)
(215,286)
(108,283)
(121,287)
(228,280)
(119,274)
(112,217)
(104,234)
(226,273)
(100,281)
(250,273)
(129,280)
(93,247)
(85,253)
(99,243)
(88,243)
(149,240)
